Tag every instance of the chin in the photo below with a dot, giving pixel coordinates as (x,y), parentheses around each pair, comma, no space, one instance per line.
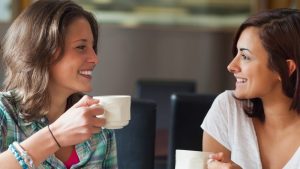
(86,89)
(240,95)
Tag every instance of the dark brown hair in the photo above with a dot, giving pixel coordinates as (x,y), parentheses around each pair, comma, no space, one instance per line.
(279,31)
(28,50)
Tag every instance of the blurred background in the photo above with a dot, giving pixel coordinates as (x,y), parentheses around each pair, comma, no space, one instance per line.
(161,39)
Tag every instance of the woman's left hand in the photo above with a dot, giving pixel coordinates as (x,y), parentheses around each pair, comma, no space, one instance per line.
(216,161)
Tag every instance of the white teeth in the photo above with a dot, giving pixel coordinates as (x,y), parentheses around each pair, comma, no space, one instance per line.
(86,72)
(241,80)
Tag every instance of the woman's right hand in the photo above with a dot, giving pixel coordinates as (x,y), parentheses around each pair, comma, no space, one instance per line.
(79,122)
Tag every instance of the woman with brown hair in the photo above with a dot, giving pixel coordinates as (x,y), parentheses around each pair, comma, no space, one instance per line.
(49,53)
(258,124)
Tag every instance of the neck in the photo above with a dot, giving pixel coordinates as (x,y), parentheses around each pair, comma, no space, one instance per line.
(57,107)
(278,114)
(59,96)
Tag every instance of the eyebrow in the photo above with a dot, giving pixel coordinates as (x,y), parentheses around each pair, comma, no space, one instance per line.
(243,49)
(80,40)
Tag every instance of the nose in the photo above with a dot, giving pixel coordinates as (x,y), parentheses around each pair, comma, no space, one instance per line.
(233,66)
(93,58)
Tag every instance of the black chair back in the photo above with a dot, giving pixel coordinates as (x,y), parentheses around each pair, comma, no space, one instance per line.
(160,91)
(135,142)
(188,112)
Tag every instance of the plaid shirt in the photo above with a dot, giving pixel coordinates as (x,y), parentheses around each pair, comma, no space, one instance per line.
(99,152)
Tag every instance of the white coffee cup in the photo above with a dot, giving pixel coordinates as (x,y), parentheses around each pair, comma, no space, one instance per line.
(116,110)
(187,159)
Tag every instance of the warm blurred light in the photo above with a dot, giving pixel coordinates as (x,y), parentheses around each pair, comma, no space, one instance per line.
(24,4)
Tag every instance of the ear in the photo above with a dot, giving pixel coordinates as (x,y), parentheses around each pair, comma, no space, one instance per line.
(291,66)
(55,55)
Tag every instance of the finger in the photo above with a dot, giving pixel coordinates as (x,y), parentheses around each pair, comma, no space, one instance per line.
(211,164)
(96,129)
(98,122)
(96,110)
(86,101)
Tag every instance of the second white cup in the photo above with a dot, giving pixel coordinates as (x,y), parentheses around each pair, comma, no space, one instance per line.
(187,159)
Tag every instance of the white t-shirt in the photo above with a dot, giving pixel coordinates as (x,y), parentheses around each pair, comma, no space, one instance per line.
(230,126)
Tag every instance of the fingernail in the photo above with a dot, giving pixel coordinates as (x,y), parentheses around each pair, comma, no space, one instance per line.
(210,160)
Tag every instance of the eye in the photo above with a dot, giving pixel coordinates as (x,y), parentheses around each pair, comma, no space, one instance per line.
(244,57)
(81,47)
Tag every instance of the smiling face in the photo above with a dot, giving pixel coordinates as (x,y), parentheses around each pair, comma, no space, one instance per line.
(73,73)
(254,79)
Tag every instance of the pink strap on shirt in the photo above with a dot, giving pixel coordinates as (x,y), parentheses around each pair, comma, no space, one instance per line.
(73,159)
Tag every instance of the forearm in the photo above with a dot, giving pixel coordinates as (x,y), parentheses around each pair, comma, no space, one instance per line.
(8,161)
(39,146)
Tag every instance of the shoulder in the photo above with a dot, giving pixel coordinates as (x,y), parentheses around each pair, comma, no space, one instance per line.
(226,100)
(7,102)
(7,118)
(225,108)
(4,103)
(224,119)
(227,95)
(6,98)
(8,108)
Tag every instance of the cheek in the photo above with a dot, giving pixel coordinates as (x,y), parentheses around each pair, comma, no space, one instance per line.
(59,71)
(266,79)
(256,76)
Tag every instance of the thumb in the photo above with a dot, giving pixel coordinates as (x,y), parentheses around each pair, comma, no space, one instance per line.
(217,156)
(85,101)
